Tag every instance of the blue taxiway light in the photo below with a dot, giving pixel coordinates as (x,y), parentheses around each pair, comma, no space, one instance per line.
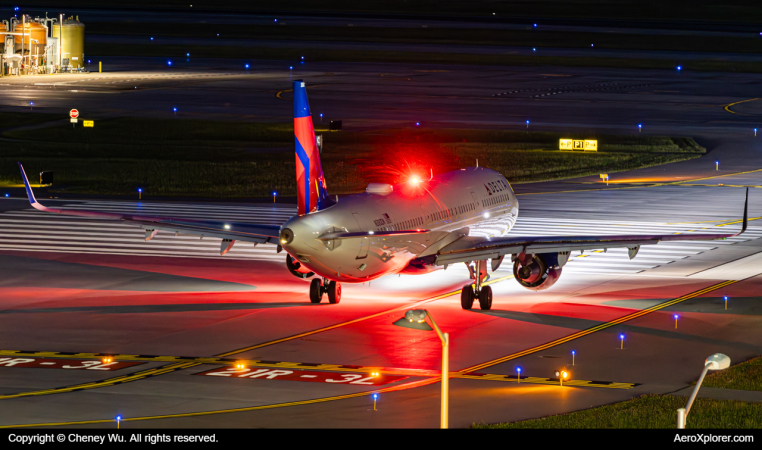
(621,336)
(174,109)
(276,20)
(417,123)
(573,352)
(152,38)
(6,195)
(169,63)
(140,190)
(535,25)
(187,55)
(679,68)
(375,396)
(676,316)
(275,193)
(246,66)
(290,67)
(518,369)
(534,49)
(591,45)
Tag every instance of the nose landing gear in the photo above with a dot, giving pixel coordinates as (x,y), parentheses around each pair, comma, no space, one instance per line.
(475,291)
(319,287)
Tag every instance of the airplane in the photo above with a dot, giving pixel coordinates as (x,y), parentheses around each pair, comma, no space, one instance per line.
(414,227)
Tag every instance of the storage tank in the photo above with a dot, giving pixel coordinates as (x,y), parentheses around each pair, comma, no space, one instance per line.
(35,37)
(72,42)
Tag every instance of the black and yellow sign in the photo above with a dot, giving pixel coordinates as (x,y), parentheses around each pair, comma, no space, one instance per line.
(88,123)
(587,145)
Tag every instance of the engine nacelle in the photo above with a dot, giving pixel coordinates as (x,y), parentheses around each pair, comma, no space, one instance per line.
(297,269)
(419,266)
(537,272)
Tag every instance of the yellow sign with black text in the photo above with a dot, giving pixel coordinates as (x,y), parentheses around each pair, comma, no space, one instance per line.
(587,145)
(88,123)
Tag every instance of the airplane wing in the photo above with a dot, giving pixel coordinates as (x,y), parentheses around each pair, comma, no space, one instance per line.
(229,232)
(467,249)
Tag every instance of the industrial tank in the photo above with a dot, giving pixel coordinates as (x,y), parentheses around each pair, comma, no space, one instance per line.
(72,42)
(34,37)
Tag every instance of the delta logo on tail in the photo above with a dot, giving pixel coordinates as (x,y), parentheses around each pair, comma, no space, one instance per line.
(312,193)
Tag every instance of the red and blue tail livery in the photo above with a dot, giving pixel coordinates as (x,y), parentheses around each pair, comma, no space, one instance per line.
(312,194)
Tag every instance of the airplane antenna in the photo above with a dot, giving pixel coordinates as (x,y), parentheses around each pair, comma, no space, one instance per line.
(477,163)
(432,174)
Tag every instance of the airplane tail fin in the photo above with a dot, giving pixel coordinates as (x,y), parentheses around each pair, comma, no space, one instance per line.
(312,194)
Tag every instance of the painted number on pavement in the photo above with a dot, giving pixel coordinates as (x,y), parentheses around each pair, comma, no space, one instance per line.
(79,364)
(304,375)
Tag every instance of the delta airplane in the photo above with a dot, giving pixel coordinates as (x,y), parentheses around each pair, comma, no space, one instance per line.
(413,227)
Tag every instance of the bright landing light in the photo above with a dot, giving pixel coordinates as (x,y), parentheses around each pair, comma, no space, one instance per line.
(414,180)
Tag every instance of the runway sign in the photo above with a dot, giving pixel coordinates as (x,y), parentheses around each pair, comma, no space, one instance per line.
(363,379)
(88,123)
(69,364)
(588,145)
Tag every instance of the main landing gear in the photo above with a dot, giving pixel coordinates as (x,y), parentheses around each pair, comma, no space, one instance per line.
(319,287)
(475,291)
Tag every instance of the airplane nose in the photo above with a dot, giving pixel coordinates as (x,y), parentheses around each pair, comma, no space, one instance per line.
(286,236)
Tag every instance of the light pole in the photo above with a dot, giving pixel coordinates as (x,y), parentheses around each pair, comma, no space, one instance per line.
(718,361)
(416,319)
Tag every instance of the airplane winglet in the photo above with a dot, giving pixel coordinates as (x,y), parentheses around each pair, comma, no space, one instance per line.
(745,211)
(29,192)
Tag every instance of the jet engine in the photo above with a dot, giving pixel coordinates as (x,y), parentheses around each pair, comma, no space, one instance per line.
(537,272)
(297,269)
(420,266)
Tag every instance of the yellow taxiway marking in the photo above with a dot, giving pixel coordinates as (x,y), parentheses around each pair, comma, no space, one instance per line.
(641,186)
(410,385)
(727,107)
(191,362)
(353,321)
(596,328)
(185,364)
(464,373)
(109,382)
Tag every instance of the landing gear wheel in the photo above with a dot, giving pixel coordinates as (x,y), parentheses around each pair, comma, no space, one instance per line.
(467,297)
(334,292)
(316,290)
(485,298)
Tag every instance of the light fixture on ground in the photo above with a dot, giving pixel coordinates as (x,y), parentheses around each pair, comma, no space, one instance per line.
(718,361)
(416,319)
(562,375)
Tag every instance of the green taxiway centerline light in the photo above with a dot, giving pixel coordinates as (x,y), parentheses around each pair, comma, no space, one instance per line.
(403,322)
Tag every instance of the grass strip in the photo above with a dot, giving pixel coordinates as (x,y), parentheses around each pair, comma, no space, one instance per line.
(746,376)
(187,157)
(651,411)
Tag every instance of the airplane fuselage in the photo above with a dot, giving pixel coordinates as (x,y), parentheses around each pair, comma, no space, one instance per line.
(475,198)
